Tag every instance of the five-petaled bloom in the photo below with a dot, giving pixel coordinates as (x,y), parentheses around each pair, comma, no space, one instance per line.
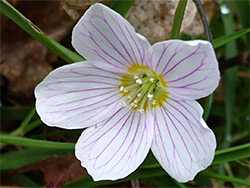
(132,97)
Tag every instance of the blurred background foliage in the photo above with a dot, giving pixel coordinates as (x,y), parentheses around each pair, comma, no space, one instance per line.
(34,155)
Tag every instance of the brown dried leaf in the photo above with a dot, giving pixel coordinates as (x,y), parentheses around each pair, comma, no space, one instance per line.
(58,174)
(24,68)
(25,62)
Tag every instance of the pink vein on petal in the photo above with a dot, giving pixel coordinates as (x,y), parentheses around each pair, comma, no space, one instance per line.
(182,141)
(120,145)
(82,99)
(108,39)
(82,107)
(163,52)
(194,119)
(182,60)
(95,141)
(202,63)
(134,43)
(105,20)
(184,126)
(106,53)
(174,54)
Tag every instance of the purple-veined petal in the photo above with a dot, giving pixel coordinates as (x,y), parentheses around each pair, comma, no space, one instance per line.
(77,96)
(183,144)
(116,147)
(107,40)
(190,69)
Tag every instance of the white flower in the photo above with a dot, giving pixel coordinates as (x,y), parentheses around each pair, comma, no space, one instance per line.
(132,97)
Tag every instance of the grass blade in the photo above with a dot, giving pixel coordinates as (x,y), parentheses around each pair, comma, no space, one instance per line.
(225,178)
(24,181)
(230,37)
(28,142)
(230,77)
(232,154)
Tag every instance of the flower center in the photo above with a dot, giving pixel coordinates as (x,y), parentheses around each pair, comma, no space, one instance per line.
(143,88)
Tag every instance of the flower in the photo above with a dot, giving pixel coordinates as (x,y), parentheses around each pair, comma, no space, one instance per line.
(132,97)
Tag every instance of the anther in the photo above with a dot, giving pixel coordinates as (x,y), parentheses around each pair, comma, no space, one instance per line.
(141,110)
(124,103)
(152,79)
(139,94)
(150,96)
(135,77)
(129,97)
(139,81)
(154,102)
(135,101)
(125,90)
(121,88)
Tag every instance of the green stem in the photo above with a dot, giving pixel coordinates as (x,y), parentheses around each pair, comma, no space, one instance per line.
(209,99)
(122,7)
(208,106)
(25,126)
(178,17)
(204,20)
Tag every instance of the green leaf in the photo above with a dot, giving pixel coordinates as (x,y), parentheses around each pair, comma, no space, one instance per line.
(232,154)
(122,7)
(225,178)
(26,121)
(25,126)
(32,125)
(20,158)
(28,142)
(66,54)
(178,17)
(230,37)
(24,181)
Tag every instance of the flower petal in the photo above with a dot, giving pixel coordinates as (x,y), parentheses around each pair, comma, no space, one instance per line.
(109,41)
(190,69)
(183,144)
(116,147)
(77,96)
